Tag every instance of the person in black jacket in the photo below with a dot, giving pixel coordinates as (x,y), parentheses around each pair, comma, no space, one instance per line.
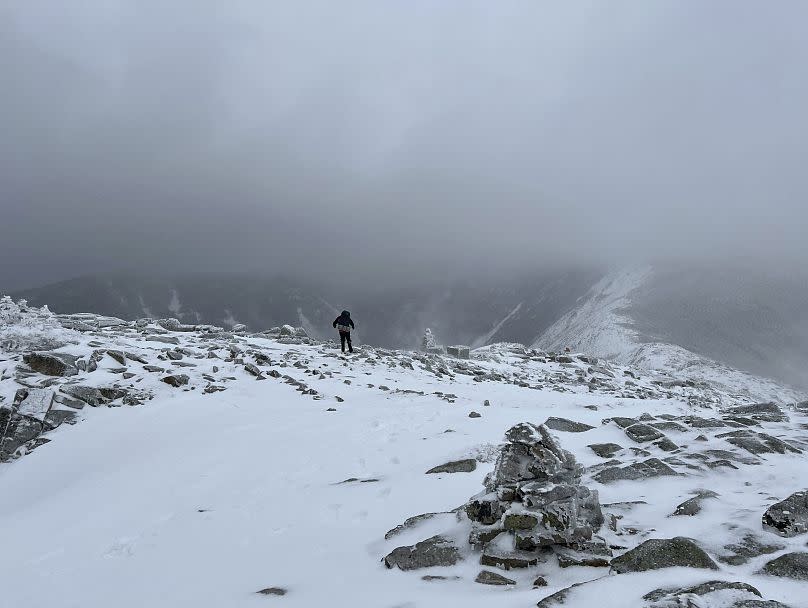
(345,324)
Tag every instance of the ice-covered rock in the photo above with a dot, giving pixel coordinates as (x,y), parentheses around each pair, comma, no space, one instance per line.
(434,551)
(659,553)
(52,364)
(532,500)
(788,517)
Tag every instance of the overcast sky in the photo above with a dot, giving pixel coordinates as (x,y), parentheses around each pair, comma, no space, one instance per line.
(395,140)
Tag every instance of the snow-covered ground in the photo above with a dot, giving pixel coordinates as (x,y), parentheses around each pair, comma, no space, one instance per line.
(205,493)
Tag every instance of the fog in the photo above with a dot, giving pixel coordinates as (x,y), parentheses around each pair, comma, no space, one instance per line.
(389,142)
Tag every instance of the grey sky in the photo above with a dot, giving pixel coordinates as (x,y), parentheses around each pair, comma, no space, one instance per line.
(386,140)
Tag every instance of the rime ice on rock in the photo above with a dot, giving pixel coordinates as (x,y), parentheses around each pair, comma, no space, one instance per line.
(534,500)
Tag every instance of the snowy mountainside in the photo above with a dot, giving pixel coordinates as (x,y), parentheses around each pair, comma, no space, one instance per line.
(622,318)
(599,324)
(155,463)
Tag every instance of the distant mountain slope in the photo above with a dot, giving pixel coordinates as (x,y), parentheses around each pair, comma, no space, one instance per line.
(753,322)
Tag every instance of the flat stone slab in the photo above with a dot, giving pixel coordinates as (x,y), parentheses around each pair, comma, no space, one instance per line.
(566,425)
(466,465)
(34,402)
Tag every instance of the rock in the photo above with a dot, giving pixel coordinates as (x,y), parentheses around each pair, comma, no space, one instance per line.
(540,582)
(666,445)
(692,506)
(565,425)
(118,356)
(474,415)
(658,553)
(684,596)
(642,433)
(154,368)
(176,380)
(788,517)
(273,591)
(520,521)
(51,364)
(253,370)
(287,331)
(163,339)
(758,443)
(486,509)
(790,565)
(605,450)
(15,432)
(749,547)
(486,577)
(457,466)
(567,559)
(435,577)
(653,467)
(412,522)
(533,500)
(620,421)
(56,418)
(33,402)
(434,551)
(501,553)
(460,352)
(88,394)
(764,412)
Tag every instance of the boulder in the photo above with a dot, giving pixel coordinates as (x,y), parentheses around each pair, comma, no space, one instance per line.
(459,352)
(88,394)
(605,450)
(658,553)
(457,466)
(566,425)
(758,443)
(52,364)
(788,517)
(486,577)
(710,593)
(434,551)
(652,467)
(790,565)
(692,506)
(642,433)
(177,380)
(34,402)
(764,412)
(750,546)
(273,591)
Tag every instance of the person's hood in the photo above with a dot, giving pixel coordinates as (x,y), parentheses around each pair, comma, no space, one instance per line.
(345,313)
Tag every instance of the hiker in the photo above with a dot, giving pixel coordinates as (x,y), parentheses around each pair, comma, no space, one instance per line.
(344,324)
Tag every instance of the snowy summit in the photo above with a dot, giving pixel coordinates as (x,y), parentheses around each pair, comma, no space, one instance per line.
(155,463)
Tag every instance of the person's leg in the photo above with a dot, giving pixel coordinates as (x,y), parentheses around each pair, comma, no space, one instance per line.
(342,340)
(348,338)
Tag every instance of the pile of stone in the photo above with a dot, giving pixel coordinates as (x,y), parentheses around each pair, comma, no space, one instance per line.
(533,506)
(534,502)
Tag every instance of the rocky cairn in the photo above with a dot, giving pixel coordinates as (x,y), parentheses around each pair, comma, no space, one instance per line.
(534,502)
(533,505)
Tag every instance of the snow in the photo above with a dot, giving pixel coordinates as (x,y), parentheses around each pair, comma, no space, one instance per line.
(202,500)
(597,325)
